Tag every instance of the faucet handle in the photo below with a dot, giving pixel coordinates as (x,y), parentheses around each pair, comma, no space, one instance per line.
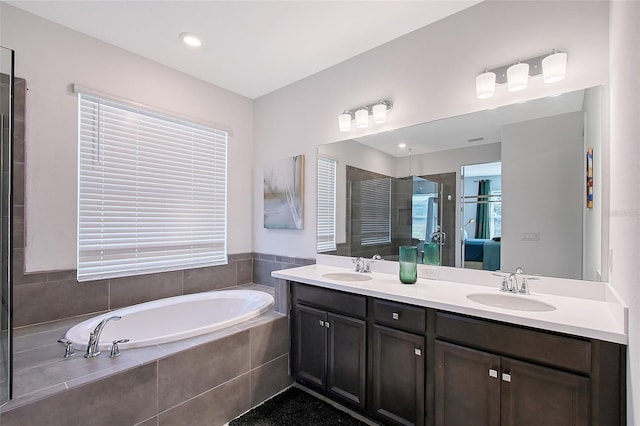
(115,350)
(69,350)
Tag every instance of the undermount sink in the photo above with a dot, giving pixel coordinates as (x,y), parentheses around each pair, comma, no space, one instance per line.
(347,276)
(511,301)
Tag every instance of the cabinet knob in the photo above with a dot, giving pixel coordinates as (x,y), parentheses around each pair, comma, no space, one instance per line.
(417,351)
(506,377)
(493,373)
(395,316)
(326,324)
(321,323)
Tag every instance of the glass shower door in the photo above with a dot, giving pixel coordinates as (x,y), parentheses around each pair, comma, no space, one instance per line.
(6,135)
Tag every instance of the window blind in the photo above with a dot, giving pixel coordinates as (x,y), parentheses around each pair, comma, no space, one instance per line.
(152,192)
(375,211)
(326,205)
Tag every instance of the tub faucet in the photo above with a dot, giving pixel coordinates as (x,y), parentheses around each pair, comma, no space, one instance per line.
(94,337)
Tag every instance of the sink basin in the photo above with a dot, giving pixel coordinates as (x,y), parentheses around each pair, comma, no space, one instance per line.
(347,276)
(511,301)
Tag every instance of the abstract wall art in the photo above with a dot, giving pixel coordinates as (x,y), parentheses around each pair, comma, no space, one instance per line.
(284,193)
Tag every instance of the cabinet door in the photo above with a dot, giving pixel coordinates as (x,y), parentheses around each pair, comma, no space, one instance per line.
(310,345)
(346,372)
(533,395)
(467,386)
(398,376)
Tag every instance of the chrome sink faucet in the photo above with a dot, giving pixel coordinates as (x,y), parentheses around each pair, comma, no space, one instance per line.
(94,337)
(364,265)
(511,284)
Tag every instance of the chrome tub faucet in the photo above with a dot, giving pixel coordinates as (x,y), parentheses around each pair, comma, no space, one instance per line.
(94,337)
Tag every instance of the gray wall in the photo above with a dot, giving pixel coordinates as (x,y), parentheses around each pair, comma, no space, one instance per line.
(542,164)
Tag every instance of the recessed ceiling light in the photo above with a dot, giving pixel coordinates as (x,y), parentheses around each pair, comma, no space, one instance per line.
(402,145)
(191,39)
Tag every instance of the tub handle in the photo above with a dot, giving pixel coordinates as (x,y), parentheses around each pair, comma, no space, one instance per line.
(69,350)
(115,350)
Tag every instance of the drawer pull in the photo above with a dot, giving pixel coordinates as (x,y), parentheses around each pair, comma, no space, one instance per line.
(321,323)
(395,316)
(326,324)
(506,377)
(417,351)
(493,373)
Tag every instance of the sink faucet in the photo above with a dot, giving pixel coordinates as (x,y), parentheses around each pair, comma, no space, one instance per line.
(510,282)
(94,337)
(364,265)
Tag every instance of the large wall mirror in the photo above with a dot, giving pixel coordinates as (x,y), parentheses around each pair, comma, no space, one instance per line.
(519,185)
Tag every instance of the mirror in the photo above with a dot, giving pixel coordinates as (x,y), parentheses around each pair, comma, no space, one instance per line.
(493,190)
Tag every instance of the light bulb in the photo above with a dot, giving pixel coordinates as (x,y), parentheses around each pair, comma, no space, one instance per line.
(362,118)
(379,113)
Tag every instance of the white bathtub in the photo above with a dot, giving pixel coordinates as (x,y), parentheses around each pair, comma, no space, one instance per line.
(174,318)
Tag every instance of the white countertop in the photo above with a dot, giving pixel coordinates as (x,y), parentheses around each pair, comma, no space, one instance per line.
(604,318)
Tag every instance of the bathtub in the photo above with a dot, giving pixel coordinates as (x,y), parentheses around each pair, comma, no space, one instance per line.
(174,318)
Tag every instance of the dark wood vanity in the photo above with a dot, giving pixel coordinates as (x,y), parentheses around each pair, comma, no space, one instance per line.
(401,364)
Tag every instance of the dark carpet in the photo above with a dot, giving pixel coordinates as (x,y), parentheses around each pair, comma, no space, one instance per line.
(295,407)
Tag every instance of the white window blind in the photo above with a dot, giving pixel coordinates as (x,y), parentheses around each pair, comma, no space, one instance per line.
(152,192)
(326,205)
(375,211)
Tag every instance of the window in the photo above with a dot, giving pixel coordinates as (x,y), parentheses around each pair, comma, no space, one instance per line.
(326,221)
(375,211)
(495,212)
(152,192)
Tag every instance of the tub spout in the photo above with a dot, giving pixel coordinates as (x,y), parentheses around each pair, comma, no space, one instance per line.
(94,337)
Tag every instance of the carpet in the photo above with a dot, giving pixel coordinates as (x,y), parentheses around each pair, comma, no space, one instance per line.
(295,407)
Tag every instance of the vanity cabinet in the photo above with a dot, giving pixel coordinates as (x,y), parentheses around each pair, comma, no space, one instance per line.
(407,365)
(398,363)
(329,342)
(496,374)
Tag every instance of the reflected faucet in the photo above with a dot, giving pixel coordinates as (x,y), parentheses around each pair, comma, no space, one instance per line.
(94,337)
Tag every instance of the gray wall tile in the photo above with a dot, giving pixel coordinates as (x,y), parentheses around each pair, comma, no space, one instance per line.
(269,341)
(216,407)
(40,302)
(269,379)
(211,278)
(189,373)
(70,274)
(19,277)
(134,401)
(245,271)
(153,421)
(240,256)
(143,288)
(262,271)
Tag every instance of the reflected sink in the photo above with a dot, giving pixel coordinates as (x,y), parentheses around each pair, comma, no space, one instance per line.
(511,301)
(347,276)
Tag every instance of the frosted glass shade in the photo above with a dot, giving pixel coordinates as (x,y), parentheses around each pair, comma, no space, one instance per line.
(362,118)
(517,77)
(379,113)
(554,67)
(344,122)
(485,85)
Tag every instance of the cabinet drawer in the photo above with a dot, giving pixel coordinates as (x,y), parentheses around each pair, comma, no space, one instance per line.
(545,348)
(399,315)
(331,300)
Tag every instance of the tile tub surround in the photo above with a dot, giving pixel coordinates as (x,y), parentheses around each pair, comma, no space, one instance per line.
(209,379)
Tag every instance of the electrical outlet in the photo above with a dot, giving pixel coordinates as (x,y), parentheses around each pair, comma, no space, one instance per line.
(530,236)
(428,272)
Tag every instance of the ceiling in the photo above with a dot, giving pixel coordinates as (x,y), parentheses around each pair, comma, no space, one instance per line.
(249,47)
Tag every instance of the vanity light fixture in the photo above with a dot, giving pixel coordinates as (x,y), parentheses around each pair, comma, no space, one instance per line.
(377,111)
(551,67)
(517,76)
(191,39)
(362,118)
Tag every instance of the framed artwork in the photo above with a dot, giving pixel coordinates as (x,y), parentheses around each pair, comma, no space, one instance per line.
(590,178)
(284,193)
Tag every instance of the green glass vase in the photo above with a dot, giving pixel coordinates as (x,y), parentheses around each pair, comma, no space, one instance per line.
(408,259)
(431,254)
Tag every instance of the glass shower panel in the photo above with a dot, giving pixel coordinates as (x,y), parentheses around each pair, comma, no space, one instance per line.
(6,135)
